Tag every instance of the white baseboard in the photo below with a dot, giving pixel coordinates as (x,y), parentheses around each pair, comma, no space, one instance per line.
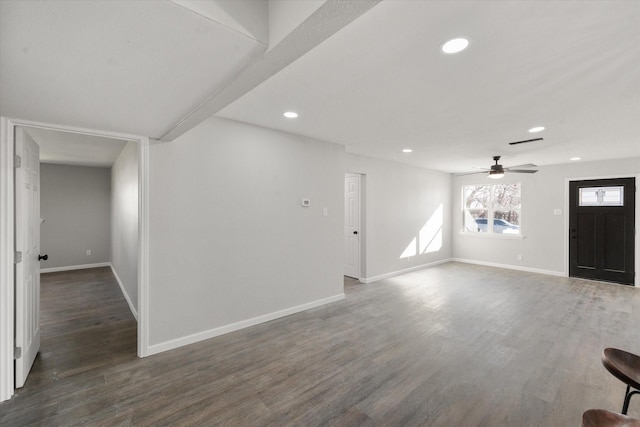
(201,336)
(133,309)
(403,271)
(511,267)
(75,267)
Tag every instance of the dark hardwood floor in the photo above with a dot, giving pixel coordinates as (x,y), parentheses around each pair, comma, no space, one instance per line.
(453,345)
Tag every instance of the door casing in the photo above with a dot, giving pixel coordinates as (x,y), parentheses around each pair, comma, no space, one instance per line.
(590,224)
(7,222)
(566,219)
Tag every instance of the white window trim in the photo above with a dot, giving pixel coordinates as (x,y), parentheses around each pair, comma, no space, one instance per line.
(493,235)
(490,216)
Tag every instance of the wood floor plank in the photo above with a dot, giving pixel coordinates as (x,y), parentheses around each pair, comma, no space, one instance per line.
(454,344)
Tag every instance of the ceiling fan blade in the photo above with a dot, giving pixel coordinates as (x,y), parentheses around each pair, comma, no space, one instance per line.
(468,173)
(521,170)
(525,141)
(528,165)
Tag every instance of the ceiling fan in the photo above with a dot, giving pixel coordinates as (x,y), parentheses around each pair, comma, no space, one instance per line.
(497,171)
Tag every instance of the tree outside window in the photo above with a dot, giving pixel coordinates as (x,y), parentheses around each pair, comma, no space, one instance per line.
(491,208)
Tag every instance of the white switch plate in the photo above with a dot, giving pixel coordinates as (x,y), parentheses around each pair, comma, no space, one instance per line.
(325,212)
(557,211)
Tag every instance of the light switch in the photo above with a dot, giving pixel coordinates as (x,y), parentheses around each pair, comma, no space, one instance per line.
(325,212)
(557,211)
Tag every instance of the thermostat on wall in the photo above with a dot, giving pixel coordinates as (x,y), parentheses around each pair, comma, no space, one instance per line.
(306,203)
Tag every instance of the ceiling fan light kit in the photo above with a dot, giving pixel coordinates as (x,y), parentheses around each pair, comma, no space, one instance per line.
(496,171)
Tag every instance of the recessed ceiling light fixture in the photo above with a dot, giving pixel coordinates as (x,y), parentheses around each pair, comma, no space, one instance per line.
(573,159)
(407,150)
(455,45)
(290,114)
(536,129)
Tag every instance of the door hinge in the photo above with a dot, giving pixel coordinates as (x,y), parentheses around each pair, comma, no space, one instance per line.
(17,161)
(17,352)
(17,257)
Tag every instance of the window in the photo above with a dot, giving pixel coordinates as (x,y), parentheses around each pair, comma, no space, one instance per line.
(601,196)
(491,208)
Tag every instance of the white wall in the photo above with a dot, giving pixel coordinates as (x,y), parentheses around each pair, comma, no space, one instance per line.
(230,244)
(124,222)
(407,215)
(544,242)
(75,204)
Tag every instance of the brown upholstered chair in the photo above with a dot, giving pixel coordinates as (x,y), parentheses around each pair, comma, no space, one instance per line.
(624,366)
(604,418)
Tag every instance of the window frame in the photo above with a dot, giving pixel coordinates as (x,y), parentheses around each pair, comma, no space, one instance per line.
(491,209)
(584,202)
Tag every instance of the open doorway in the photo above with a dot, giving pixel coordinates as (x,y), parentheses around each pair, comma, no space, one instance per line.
(128,256)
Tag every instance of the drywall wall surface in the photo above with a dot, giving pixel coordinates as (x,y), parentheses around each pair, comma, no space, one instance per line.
(544,234)
(229,239)
(75,206)
(124,221)
(407,213)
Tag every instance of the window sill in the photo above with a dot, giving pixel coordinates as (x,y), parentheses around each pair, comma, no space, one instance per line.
(493,235)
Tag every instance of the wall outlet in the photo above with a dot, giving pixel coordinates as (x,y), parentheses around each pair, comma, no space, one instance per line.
(519,257)
(88,252)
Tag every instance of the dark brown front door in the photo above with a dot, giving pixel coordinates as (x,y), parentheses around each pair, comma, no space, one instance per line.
(601,229)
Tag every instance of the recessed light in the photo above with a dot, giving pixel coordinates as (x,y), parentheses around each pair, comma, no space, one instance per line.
(407,150)
(536,129)
(290,114)
(573,159)
(455,45)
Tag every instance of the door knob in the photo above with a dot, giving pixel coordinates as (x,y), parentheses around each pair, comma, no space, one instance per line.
(355,232)
(43,257)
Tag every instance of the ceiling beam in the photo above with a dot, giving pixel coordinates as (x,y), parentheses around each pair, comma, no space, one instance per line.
(328,19)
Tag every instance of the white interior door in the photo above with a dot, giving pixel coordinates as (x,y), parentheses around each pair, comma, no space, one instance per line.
(352,225)
(27,236)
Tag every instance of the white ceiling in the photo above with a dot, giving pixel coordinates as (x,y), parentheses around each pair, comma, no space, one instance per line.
(363,74)
(381,84)
(136,67)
